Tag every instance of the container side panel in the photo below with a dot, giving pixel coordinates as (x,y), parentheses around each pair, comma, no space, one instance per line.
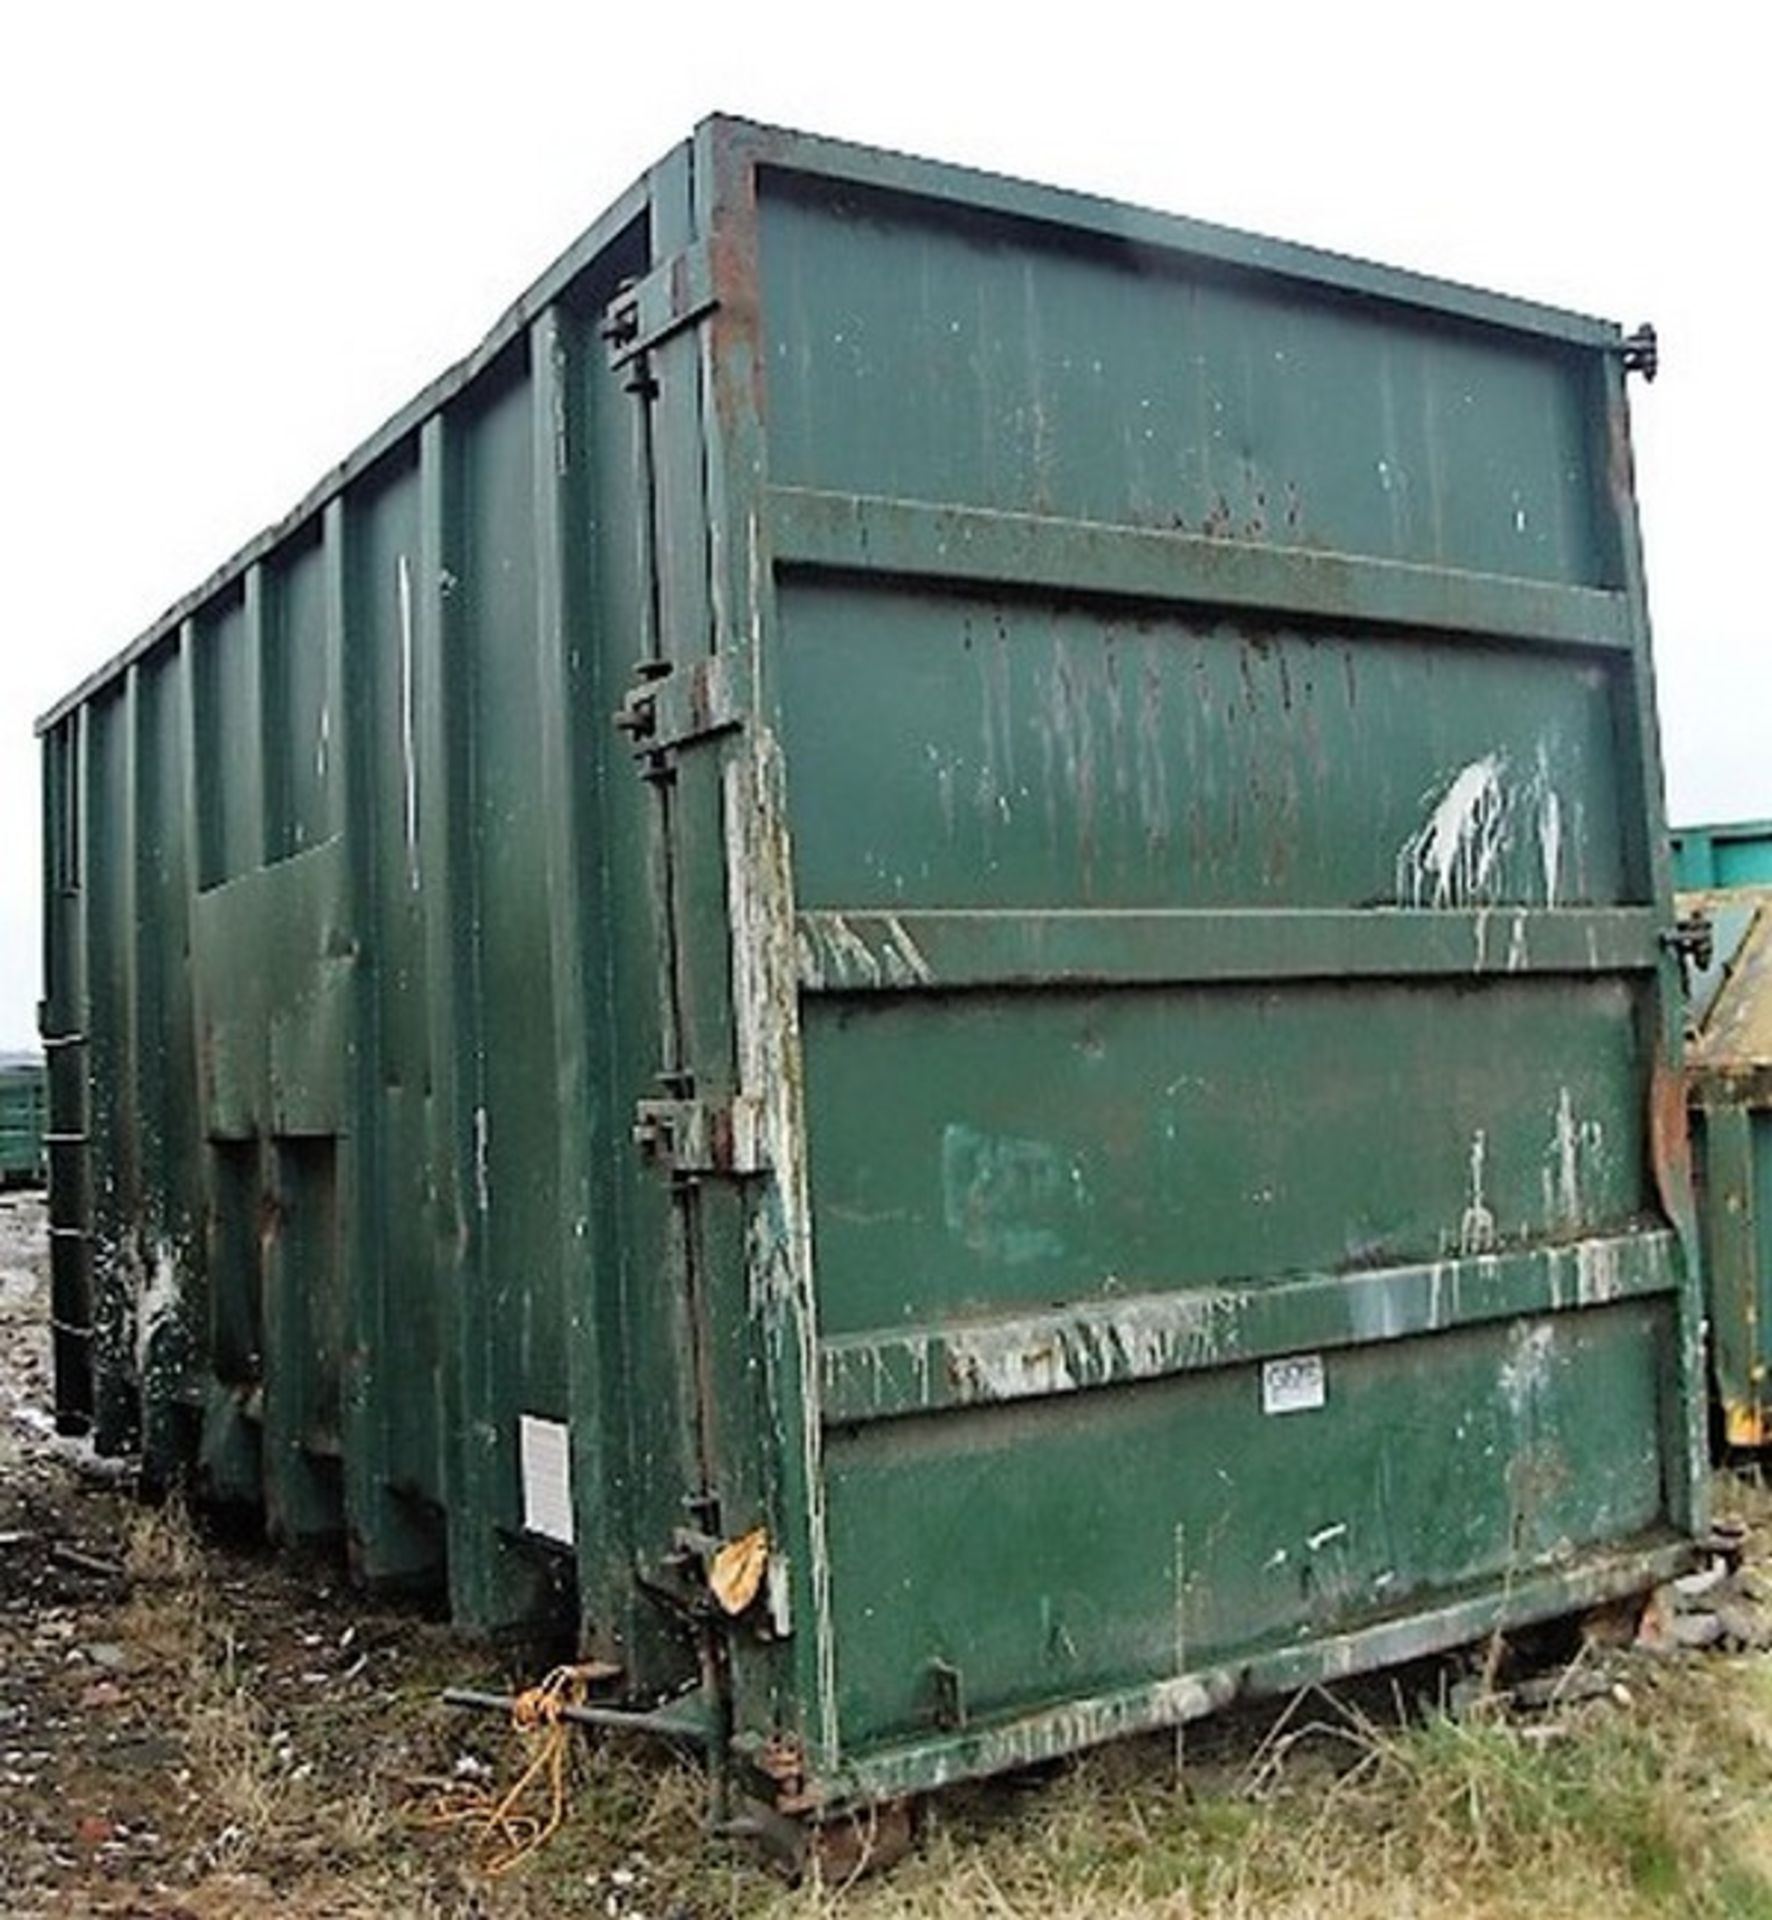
(384,561)
(940,357)
(273,962)
(516,1157)
(1726,856)
(21,1125)
(230,763)
(301,752)
(110,947)
(957,751)
(1760,1215)
(170,1220)
(390,1536)
(1075,1146)
(1172,1526)
(1728,1050)
(1743,862)
(1734,1139)
(306,1285)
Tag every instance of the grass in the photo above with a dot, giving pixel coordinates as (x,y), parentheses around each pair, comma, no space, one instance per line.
(1661,1806)
(289,1805)
(1654,1797)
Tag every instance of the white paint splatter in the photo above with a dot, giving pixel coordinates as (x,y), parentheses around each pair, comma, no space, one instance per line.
(1091,1344)
(759,870)
(158,1306)
(482,1154)
(1442,1295)
(1550,843)
(904,958)
(853,960)
(1566,1161)
(1525,1373)
(1598,1278)
(1476,1231)
(1454,858)
(408,731)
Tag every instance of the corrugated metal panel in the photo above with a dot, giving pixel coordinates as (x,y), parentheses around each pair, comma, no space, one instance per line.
(1095,1065)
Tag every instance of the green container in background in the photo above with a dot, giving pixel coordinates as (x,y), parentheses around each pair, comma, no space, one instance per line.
(1736,855)
(920,957)
(23,1110)
(1725,876)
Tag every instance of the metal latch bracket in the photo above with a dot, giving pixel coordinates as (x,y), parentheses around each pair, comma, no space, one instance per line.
(1693,939)
(690,1137)
(671,706)
(674,295)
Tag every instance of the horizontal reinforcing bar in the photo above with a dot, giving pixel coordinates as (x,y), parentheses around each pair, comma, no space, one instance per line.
(869,949)
(1022,552)
(1107,1342)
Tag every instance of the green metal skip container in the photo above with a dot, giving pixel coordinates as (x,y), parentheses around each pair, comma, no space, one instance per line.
(23,1104)
(1722,857)
(1725,878)
(920,957)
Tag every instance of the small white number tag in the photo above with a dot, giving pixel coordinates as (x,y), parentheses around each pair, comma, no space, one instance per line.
(1293,1385)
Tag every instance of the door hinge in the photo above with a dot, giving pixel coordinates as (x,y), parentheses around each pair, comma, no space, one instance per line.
(646,312)
(668,707)
(702,1136)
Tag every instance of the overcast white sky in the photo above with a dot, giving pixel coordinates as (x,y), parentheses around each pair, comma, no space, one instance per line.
(238,236)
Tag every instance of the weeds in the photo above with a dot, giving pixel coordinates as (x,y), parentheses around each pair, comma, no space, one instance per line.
(1651,1795)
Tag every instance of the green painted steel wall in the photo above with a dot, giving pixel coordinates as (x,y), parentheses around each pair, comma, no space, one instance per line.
(1736,855)
(1096,1058)
(1725,876)
(23,1114)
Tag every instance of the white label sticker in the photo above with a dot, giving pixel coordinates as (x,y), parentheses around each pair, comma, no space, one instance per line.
(1294,1385)
(545,1455)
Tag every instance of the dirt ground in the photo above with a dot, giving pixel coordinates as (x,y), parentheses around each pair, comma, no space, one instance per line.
(193,1726)
(197,1727)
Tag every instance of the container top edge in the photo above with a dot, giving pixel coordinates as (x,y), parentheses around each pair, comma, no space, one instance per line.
(794,152)
(1725,829)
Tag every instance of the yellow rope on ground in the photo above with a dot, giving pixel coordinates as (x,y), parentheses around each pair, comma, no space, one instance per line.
(505,1831)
